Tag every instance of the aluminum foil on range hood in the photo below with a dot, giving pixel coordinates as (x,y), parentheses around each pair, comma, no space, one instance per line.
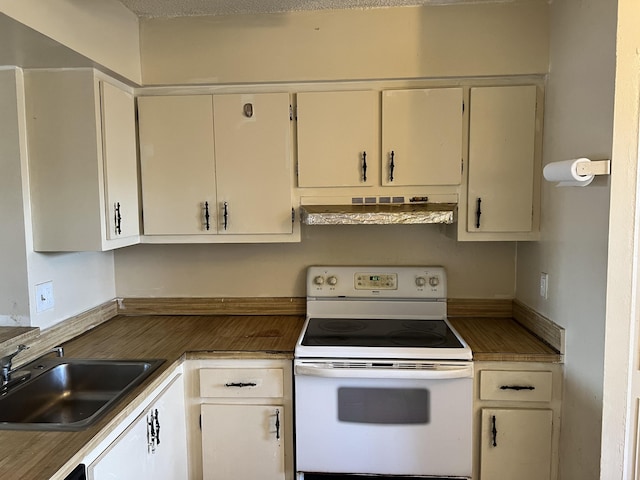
(378,214)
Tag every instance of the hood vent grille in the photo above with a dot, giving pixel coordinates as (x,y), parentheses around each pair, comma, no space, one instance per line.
(379,214)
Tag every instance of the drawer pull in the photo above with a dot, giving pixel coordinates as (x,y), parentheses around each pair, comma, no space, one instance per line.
(517,387)
(277,424)
(240,384)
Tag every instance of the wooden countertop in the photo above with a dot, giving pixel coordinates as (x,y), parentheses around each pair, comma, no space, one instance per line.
(503,339)
(41,455)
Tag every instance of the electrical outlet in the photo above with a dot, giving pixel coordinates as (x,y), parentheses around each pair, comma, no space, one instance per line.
(544,285)
(44,297)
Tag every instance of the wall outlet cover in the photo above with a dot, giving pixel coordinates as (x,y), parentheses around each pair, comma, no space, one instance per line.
(44,297)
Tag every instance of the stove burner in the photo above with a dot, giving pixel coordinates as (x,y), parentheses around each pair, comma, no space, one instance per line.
(435,326)
(417,338)
(343,326)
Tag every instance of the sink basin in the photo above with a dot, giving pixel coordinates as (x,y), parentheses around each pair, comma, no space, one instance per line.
(70,394)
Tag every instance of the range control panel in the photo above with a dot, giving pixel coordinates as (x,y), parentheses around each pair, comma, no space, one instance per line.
(382,282)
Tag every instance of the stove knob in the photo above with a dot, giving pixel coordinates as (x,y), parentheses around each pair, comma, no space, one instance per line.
(332,280)
(319,280)
(434,281)
(421,281)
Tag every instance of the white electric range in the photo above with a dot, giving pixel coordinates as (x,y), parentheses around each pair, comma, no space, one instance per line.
(383,383)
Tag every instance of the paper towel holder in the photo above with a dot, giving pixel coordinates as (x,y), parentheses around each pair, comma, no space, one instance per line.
(595,167)
(578,172)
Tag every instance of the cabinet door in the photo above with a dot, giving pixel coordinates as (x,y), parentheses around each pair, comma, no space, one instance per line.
(127,458)
(243,442)
(515,444)
(501,159)
(253,163)
(338,133)
(422,137)
(177,164)
(134,455)
(120,162)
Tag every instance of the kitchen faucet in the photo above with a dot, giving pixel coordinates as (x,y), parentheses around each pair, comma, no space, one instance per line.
(5,364)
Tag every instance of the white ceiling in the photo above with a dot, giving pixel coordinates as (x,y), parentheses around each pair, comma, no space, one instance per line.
(186,8)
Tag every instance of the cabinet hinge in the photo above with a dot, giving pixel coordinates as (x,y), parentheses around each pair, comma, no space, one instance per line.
(462,165)
(293,215)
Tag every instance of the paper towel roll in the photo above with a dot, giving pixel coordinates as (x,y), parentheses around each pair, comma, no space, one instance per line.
(566,173)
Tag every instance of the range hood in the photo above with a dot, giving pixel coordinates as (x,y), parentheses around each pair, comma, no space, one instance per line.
(378,214)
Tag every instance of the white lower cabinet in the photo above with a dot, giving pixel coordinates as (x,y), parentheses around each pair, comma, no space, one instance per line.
(517,409)
(243,442)
(516,443)
(154,446)
(239,413)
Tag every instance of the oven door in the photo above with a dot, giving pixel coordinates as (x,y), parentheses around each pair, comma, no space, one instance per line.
(384,418)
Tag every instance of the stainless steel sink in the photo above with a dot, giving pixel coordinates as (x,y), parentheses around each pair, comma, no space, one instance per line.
(68,393)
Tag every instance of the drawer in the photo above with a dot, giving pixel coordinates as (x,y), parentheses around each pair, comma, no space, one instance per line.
(241,382)
(522,386)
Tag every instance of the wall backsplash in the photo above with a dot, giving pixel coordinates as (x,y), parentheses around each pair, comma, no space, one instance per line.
(475,270)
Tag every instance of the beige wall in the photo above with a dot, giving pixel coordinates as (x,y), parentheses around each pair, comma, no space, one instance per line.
(102,30)
(406,42)
(14,296)
(476,270)
(574,230)
(469,40)
(80,280)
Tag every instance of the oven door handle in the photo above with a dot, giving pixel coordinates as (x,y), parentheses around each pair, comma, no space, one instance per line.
(438,373)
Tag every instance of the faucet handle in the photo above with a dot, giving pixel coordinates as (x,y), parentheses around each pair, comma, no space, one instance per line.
(5,362)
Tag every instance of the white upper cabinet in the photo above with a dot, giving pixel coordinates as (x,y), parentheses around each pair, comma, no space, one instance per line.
(253,163)
(216,164)
(121,171)
(339,135)
(82,161)
(338,139)
(422,136)
(177,164)
(502,200)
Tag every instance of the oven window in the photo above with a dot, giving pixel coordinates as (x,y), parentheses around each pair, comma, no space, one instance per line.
(383,405)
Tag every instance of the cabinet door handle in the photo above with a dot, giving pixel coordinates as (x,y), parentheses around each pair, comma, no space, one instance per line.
(478,211)
(225,215)
(494,431)
(151,434)
(517,387)
(364,166)
(207,225)
(149,437)
(277,424)
(240,384)
(392,166)
(117,218)
(157,427)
